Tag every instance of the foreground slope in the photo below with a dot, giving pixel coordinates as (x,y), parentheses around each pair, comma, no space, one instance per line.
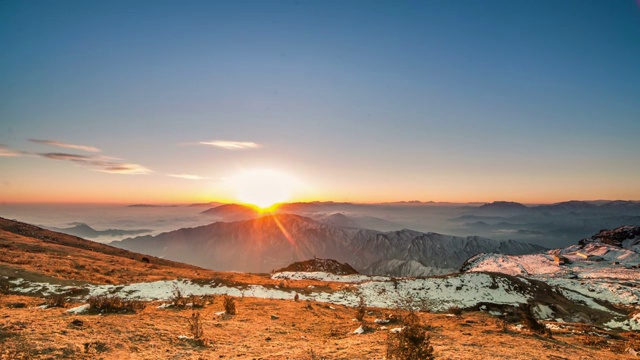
(269,323)
(271,242)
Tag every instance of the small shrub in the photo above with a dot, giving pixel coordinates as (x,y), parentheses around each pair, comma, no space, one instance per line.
(95,347)
(229,305)
(114,304)
(56,300)
(296,297)
(526,315)
(412,343)
(361,310)
(178,300)
(196,329)
(197,302)
(455,310)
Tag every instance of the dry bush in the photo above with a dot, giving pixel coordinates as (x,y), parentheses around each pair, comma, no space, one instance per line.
(95,347)
(412,343)
(114,304)
(361,311)
(56,300)
(526,315)
(178,300)
(197,302)
(196,329)
(296,297)
(455,310)
(229,305)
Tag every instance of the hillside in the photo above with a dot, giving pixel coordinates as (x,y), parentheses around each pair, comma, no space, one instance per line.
(271,242)
(270,323)
(320,265)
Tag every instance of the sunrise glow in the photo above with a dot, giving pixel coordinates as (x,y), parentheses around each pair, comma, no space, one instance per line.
(263,187)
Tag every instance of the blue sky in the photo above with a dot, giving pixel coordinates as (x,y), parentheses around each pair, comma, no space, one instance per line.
(360,100)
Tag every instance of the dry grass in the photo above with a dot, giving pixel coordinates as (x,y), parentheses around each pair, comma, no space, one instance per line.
(153,333)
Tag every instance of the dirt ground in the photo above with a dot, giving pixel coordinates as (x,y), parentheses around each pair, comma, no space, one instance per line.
(297,330)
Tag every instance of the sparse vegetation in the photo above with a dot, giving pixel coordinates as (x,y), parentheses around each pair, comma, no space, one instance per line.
(229,305)
(196,329)
(411,343)
(296,297)
(114,304)
(361,310)
(530,321)
(56,300)
(455,310)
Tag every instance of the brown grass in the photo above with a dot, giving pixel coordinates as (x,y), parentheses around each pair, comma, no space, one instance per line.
(153,333)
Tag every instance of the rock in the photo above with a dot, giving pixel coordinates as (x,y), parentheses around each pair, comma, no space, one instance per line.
(77,322)
(275,317)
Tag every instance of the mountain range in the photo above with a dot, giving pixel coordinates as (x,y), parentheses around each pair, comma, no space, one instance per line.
(274,241)
(85,231)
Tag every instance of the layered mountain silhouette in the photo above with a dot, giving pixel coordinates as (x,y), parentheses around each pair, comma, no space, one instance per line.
(274,241)
(85,231)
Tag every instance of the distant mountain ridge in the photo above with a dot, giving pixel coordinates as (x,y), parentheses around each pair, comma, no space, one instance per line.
(85,231)
(270,242)
(571,205)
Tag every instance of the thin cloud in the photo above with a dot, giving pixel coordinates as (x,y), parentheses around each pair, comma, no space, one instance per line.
(129,169)
(104,164)
(65,145)
(188,176)
(231,145)
(5,151)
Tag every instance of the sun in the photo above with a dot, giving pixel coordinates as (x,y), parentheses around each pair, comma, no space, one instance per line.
(262,188)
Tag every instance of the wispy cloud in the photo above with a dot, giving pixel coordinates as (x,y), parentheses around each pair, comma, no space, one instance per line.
(65,145)
(5,151)
(188,176)
(231,145)
(99,163)
(132,169)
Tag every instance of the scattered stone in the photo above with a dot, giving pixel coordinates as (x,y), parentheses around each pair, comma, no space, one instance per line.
(77,322)
(275,317)
(79,309)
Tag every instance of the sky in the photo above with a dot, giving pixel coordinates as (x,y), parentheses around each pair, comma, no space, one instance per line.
(363,101)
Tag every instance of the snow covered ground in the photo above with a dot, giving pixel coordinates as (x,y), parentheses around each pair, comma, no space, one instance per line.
(594,272)
(434,294)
